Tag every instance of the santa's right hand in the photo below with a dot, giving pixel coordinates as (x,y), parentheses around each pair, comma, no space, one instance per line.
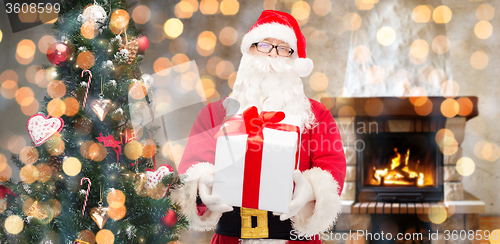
(205,190)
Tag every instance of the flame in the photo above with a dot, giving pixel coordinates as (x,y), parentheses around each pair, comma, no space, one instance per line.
(398,175)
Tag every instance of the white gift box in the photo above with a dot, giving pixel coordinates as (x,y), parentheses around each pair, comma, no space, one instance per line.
(273,191)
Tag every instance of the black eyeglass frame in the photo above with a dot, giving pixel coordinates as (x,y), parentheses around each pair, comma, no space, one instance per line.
(273,46)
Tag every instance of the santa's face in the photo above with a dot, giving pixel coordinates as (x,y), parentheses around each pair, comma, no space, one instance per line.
(269,82)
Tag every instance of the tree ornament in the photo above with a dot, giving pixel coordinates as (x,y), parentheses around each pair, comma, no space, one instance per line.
(137,90)
(72,166)
(154,177)
(88,86)
(41,128)
(105,237)
(157,192)
(143,43)
(109,141)
(132,47)
(169,219)
(139,185)
(14,224)
(94,13)
(89,29)
(98,214)
(55,163)
(101,107)
(51,73)
(118,22)
(85,60)
(88,191)
(59,53)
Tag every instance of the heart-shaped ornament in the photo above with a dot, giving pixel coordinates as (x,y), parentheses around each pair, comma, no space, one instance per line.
(41,128)
(156,176)
(101,107)
(99,216)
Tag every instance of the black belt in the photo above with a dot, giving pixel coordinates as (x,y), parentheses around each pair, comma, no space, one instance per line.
(251,223)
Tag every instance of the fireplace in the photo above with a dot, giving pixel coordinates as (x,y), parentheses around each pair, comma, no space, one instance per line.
(400,167)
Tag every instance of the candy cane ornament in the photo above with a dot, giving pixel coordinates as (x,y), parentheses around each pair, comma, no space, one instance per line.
(88,191)
(88,86)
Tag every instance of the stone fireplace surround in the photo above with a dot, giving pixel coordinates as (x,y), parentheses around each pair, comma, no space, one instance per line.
(392,114)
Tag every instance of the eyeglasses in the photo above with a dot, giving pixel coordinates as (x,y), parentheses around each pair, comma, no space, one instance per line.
(281,50)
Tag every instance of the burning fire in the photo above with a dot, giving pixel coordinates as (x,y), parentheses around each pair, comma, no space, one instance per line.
(398,174)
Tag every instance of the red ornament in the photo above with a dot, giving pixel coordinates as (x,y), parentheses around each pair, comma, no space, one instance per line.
(59,53)
(109,141)
(143,43)
(170,219)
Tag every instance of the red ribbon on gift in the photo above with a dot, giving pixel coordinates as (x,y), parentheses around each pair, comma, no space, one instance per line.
(253,124)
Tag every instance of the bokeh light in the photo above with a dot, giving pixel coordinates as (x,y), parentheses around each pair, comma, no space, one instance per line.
(352,21)
(27,16)
(228,36)
(465,166)
(8,89)
(436,77)
(437,214)
(440,44)
(301,11)
(386,36)
(374,107)
(449,107)
(318,81)
(425,108)
(183,10)
(162,66)
(485,12)
(16,144)
(26,49)
(322,7)
(361,5)
(421,14)
(224,69)
(229,7)
(442,14)
(56,107)
(232,79)
(1,35)
(178,45)
(450,89)
(419,48)
(180,63)
(206,87)
(479,60)
(141,14)
(24,96)
(209,6)
(207,40)
(483,29)
(375,75)
(48,16)
(45,42)
(173,27)
(212,64)
(466,106)
(361,54)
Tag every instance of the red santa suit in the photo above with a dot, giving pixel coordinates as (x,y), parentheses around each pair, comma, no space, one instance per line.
(322,159)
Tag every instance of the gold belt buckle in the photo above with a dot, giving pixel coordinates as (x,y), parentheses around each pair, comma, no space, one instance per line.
(261,231)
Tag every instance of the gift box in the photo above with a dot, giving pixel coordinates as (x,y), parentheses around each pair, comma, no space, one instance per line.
(255,157)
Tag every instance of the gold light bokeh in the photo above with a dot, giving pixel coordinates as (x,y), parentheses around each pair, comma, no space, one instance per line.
(440,44)
(183,10)
(212,64)
(1,35)
(3,162)
(45,42)
(386,36)
(421,14)
(361,54)
(16,144)
(25,96)
(361,5)
(209,6)
(27,16)
(232,79)
(301,11)
(483,29)
(229,7)
(450,89)
(426,107)
(180,63)
(318,81)
(322,7)
(173,27)
(352,21)
(442,14)
(479,60)
(48,17)
(485,12)
(162,66)
(465,166)
(437,214)
(224,69)
(450,107)
(26,49)
(375,75)
(419,49)
(374,107)
(466,106)
(228,36)
(56,107)
(206,87)
(207,40)
(487,151)
(141,14)
(436,77)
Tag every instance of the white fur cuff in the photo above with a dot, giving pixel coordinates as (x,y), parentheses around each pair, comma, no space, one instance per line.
(186,195)
(322,214)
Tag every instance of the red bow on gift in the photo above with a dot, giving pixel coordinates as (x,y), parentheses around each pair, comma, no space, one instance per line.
(255,122)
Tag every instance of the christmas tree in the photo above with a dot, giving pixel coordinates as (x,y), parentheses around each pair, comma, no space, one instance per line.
(76,184)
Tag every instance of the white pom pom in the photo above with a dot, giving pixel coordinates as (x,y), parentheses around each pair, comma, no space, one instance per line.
(303,66)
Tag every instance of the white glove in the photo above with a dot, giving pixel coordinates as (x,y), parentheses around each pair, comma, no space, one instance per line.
(302,194)
(205,190)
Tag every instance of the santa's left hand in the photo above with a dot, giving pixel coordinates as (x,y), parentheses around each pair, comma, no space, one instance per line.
(302,194)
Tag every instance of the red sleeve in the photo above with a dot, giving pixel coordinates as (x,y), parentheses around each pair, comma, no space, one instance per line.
(201,144)
(329,155)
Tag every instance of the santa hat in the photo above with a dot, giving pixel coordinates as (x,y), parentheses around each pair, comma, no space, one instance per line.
(284,27)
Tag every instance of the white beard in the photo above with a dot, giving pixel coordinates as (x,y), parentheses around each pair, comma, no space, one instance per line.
(270,84)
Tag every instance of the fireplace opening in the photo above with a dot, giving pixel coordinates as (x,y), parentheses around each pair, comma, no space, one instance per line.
(400,167)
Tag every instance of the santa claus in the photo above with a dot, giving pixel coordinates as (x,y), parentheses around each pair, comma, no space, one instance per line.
(273,61)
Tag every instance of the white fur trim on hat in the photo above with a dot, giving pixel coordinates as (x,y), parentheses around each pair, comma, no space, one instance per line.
(185,196)
(321,214)
(303,66)
(271,30)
